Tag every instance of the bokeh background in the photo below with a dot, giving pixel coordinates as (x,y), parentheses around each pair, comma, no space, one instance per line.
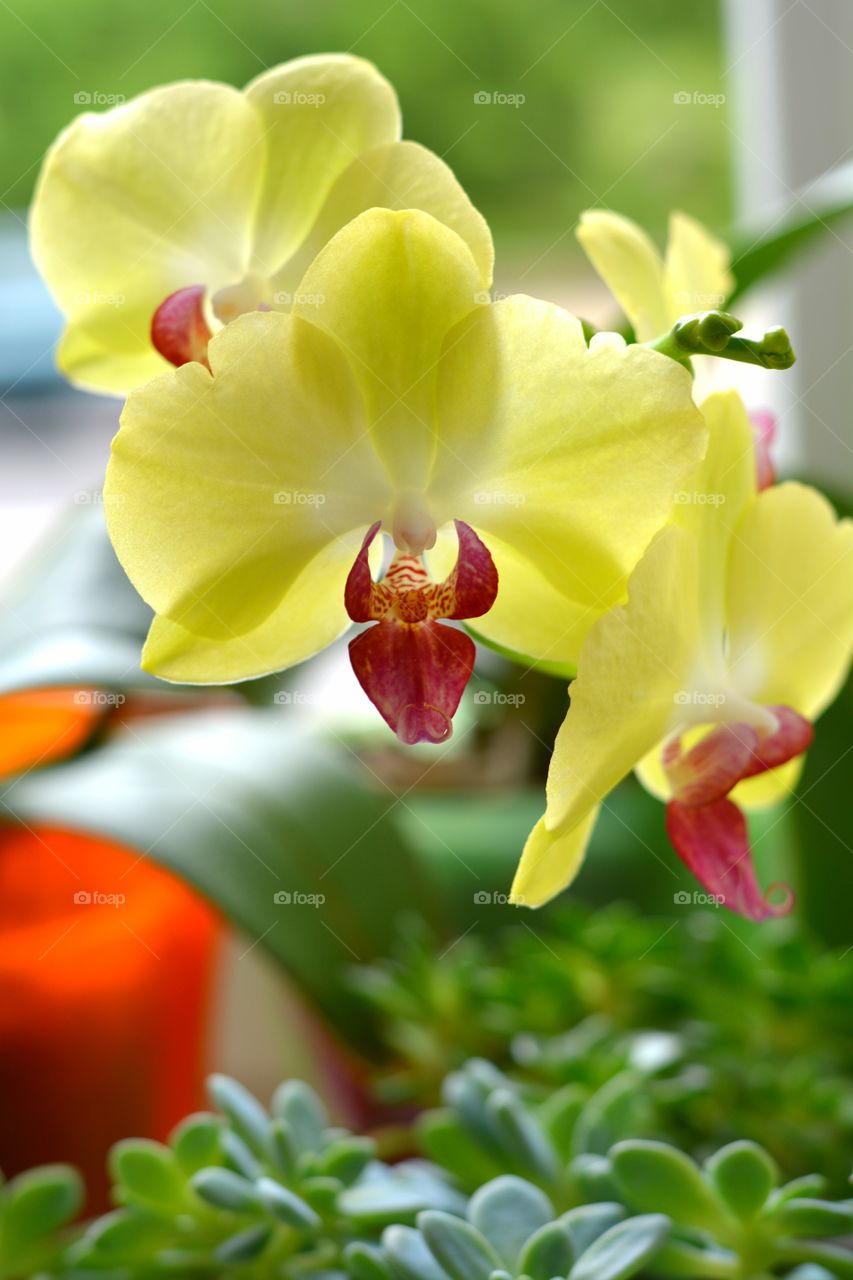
(730,112)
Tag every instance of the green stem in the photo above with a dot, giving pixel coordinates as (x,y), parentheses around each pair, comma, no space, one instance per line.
(712,333)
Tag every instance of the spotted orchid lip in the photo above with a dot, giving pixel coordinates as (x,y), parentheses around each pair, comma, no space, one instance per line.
(179,328)
(707,829)
(412,667)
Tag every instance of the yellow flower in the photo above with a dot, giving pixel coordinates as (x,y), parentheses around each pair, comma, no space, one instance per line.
(736,634)
(653,291)
(243,498)
(159,220)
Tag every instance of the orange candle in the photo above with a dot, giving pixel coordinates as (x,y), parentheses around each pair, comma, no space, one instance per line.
(106,962)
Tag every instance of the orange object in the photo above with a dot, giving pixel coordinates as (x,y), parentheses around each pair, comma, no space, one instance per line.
(106,965)
(39,726)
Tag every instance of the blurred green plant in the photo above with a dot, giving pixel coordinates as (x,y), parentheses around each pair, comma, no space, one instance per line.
(696,1035)
(283,1194)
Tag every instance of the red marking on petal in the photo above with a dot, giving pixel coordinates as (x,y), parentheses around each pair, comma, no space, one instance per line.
(179,329)
(713,842)
(414,674)
(792,736)
(362,596)
(708,771)
(764,431)
(473,582)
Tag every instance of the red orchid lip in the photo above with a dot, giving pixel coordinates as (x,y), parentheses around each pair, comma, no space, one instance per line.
(412,667)
(707,830)
(179,328)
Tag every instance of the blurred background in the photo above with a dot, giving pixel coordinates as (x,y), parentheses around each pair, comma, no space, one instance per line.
(731,112)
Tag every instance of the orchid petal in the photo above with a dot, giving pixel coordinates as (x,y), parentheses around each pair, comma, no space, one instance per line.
(790,600)
(713,842)
(134,204)
(550,861)
(224,488)
(696,275)
(630,266)
(414,675)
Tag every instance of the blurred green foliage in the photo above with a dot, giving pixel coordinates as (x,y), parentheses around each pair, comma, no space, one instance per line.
(599,124)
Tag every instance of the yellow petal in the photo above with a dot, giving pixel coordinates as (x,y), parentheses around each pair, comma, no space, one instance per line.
(631,267)
(317,114)
(566,455)
(398,175)
(221,490)
(550,861)
(791,599)
(635,661)
(697,276)
(309,616)
(132,204)
(392,285)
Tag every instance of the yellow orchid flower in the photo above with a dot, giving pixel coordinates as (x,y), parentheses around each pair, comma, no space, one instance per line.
(736,634)
(655,291)
(243,497)
(159,220)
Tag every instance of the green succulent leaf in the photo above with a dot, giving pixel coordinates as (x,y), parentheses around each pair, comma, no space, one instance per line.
(656,1178)
(366,1261)
(148,1175)
(548,1253)
(623,1250)
(245,1246)
(248,1118)
(197,1142)
(286,1206)
(303,1114)
(507,1212)
(803,1217)
(34,1204)
(589,1221)
(226,1190)
(457,1246)
(743,1176)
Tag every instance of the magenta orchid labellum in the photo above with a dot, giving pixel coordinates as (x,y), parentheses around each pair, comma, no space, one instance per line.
(412,667)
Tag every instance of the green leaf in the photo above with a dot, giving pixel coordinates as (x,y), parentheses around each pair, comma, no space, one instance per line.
(347,1158)
(127,1236)
(457,1246)
(244,806)
(286,1206)
(743,1176)
(245,1246)
(837,1260)
(148,1175)
(443,1140)
(297,1105)
(36,1203)
(226,1190)
(385,1195)
(548,1253)
(680,1259)
(804,1217)
(410,1256)
(196,1142)
(366,1261)
(507,1212)
(589,1221)
(521,1135)
(761,248)
(247,1116)
(656,1178)
(623,1250)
